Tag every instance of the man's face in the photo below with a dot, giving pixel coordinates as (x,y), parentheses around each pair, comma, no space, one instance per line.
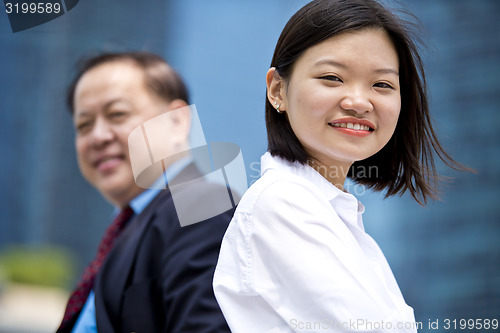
(110,101)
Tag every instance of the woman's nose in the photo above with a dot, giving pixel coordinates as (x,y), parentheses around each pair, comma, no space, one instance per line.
(356,99)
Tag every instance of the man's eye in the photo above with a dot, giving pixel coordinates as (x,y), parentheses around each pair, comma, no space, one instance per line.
(82,127)
(117,114)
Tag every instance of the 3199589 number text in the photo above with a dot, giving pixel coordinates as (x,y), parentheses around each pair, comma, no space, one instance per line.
(33,8)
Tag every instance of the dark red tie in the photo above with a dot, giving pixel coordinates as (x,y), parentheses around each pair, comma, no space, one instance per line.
(82,290)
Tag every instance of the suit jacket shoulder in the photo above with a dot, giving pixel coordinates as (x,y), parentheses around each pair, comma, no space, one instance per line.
(158,277)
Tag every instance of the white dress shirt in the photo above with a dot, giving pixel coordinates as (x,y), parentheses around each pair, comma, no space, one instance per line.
(296,258)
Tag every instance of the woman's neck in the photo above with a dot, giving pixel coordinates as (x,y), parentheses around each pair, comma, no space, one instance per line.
(335,173)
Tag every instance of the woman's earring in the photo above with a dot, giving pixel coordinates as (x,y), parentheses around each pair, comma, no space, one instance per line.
(278,107)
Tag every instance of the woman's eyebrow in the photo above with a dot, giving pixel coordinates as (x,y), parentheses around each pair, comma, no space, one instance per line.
(332,62)
(387,71)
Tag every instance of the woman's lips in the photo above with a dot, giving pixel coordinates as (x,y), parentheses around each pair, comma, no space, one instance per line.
(353,126)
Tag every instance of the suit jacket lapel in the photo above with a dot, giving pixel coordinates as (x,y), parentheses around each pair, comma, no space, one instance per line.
(119,264)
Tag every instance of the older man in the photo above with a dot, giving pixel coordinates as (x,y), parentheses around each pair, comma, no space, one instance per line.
(150,274)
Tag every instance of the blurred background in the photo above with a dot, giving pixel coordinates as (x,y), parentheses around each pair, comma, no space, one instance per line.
(445,256)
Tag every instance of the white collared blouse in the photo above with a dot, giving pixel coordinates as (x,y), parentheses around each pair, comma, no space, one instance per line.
(296,258)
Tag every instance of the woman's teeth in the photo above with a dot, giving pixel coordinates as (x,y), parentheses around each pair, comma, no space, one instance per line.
(357,127)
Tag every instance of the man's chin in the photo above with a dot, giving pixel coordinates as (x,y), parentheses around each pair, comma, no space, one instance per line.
(114,188)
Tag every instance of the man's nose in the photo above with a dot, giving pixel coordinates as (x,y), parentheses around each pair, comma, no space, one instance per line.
(102,133)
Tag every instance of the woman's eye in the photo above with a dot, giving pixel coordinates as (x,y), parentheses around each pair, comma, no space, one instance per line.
(383,85)
(331,78)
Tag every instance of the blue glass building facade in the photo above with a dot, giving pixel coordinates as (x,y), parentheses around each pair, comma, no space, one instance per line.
(446,256)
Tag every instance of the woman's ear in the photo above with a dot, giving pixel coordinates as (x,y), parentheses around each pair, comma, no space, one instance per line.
(276,89)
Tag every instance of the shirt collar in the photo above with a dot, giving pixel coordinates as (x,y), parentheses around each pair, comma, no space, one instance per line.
(269,162)
(142,200)
(344,202)
(145,197)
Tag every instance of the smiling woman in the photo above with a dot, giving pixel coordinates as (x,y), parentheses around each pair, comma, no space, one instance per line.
(345,94)
(343,99)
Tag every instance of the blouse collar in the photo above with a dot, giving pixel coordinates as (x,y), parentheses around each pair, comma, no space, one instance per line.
(345,204)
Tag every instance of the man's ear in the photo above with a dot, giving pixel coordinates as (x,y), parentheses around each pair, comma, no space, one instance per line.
(276,89)
(180,114)
(176,104)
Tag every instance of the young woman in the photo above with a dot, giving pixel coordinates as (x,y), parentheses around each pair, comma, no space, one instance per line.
(346,97)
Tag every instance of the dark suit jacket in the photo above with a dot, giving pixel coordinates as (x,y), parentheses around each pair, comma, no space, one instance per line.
(158,276)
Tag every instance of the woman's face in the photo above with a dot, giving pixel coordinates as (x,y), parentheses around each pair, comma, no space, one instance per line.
(343,97)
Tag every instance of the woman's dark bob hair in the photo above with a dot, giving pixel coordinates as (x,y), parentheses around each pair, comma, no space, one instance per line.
(406,162)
